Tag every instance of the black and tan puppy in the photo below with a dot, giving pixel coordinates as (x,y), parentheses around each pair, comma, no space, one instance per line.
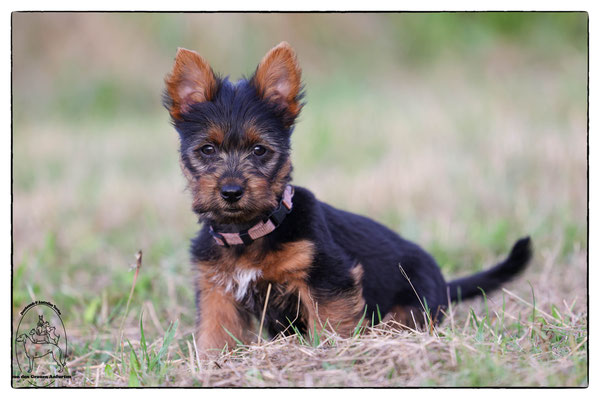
(326,267)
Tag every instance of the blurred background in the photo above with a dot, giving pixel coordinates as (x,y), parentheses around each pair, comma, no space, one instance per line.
(460,131)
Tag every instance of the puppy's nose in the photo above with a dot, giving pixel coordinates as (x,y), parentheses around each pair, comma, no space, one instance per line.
(232,193)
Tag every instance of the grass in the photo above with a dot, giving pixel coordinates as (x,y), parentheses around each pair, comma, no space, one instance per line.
(467,132)
(485,349)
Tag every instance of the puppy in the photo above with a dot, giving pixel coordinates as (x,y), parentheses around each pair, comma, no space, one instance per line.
(261,237)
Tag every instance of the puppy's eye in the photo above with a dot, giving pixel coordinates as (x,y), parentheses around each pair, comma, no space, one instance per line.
(259,150)
(207,149)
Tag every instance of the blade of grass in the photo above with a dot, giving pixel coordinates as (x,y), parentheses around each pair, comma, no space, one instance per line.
(137,266)
(239,342)
(405,275)
(168,338)
(134,367)
(358,329)
(297,332)
(143,343)
(529,304)
(196,351)
(262,318)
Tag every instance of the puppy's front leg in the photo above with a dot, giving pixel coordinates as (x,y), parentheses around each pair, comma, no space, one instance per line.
(218,313)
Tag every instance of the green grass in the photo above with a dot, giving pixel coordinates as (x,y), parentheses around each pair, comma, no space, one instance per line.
(462,132)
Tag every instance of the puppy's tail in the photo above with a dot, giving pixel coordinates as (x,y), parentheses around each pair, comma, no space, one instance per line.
(494,277)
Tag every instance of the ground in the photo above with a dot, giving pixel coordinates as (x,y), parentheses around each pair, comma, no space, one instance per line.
(462,132)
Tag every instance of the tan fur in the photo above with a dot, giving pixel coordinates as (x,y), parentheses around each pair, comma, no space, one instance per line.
(215,135)
(341,313)
(252,135)
(280,181)
(218,312)
(278,78)
(204,188)
(284,266)
(191,81)
(406,316)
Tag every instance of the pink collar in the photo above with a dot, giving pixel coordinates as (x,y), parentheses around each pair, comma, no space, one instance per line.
(261,229)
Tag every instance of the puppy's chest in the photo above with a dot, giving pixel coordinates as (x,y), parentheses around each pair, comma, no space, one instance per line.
(237,282)
(248,287)
(246,277)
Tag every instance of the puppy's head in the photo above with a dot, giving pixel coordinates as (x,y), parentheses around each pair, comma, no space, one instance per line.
(235,137)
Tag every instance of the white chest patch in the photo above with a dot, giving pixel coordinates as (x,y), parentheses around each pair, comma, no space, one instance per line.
(237,283)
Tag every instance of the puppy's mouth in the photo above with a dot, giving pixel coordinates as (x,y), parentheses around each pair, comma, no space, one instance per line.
(242,213)
(239,218)
(233,210)
(236,212)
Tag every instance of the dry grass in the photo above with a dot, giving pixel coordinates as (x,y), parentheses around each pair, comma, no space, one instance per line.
(536,338)
(471,350)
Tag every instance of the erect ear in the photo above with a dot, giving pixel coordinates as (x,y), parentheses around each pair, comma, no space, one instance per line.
(191,81)
(278,80)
